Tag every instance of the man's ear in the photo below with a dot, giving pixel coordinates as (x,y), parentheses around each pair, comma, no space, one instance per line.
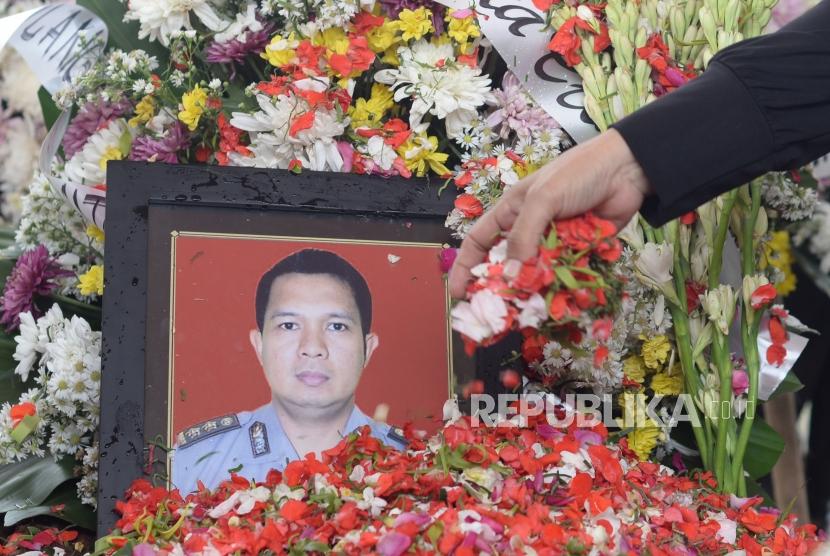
(256,342)
(372,343)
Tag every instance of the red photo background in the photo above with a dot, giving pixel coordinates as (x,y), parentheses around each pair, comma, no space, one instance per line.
(216,371)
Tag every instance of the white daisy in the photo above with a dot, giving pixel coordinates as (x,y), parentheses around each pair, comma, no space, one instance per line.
(159,19)
(89,165)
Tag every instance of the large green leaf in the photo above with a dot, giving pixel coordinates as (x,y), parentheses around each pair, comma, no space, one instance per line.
(7,347)
(65,500)
(11,387)
(122,34)
(763,450)
(48,107)
(28,483)
(789,384)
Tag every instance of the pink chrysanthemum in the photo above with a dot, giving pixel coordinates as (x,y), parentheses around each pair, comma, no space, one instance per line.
(164,149)
(33,274)
(515,112)
(238,51)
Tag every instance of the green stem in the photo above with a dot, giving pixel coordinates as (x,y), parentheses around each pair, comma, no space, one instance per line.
(720,239)
(749,337)
(683,339)
(720,349)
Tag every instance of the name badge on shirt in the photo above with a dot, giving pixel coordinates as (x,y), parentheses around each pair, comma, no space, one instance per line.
(259,439)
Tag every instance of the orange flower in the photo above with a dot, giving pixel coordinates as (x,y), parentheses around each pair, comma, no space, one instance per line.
(20,411)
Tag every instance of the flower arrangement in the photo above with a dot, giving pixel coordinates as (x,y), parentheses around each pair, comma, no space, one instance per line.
(468,489)
(411,88)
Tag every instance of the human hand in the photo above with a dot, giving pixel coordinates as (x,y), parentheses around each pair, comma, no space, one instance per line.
(600,175)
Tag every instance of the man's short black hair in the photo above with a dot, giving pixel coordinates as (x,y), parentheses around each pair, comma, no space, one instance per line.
(317,261)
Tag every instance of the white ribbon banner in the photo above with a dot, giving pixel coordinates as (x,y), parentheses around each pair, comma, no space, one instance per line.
(772,376)
(59,41)
(516,28)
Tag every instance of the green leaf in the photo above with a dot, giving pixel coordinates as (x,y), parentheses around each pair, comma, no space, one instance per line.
(753,488)
(48,107)
(7,347)
(24,428)
(29,482)
(763,450)
(11,387)
(123,35)
(789,384)
(566,277)
(73,511)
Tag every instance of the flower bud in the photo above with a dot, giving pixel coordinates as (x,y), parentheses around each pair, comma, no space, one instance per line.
(719,305)
(710,28)
(730,21)
(653,267)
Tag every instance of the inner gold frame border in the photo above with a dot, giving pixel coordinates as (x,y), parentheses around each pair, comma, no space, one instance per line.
(175,234)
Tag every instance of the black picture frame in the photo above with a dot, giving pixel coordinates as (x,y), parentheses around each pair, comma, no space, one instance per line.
(143,202)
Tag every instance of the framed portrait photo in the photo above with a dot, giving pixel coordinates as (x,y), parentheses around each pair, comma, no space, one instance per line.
(255,316)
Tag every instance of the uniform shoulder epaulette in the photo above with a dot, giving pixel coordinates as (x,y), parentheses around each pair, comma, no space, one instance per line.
(206,429)
(396,433)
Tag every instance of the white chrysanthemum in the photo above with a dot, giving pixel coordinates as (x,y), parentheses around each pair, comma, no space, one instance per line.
(381,154)
(274,147)
(438,85)
(245,21)
(28,347)
(89,165)
(160,19)
(19,85)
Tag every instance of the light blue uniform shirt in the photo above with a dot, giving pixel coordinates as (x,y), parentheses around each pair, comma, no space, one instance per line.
(252,441)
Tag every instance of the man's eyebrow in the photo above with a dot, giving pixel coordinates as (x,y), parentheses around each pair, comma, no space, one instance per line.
(344,316)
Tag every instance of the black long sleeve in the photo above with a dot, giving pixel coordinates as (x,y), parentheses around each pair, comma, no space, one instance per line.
(762,105)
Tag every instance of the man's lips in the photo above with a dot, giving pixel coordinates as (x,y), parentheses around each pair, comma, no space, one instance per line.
(312,378)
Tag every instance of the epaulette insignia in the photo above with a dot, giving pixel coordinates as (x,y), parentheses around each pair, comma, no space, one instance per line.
(211,427)
(396,433)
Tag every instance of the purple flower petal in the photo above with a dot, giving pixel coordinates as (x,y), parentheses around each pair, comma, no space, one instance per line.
(393,544)
(34,273)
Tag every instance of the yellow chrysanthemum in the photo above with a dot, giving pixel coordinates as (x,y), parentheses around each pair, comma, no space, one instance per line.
(364,112)
(144,111)
(634,368)
(656,351)
(462,29)
(414,24)
(95,232)
(383,37)
(92,281)
(334,39)
(778,251)
(111,153)
(281,50)
(665,384)
(643,440)
(193,104)
(420,153)
(634,409)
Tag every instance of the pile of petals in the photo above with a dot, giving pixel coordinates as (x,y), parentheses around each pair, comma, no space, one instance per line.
(505,489)
(568,288)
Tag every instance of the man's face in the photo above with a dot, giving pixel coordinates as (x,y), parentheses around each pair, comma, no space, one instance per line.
(311,346)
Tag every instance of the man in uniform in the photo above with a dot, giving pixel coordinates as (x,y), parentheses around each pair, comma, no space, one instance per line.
(313,340)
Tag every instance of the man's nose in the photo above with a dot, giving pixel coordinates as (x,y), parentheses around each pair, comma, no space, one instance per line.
(313,344)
